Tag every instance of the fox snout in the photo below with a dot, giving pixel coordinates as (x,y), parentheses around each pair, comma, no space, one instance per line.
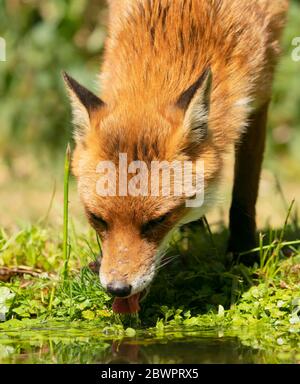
(116,287)
(125,278)
(127,264)
(119,289)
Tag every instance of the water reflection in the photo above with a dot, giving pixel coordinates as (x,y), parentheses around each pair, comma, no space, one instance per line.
(74,346)
(197,350)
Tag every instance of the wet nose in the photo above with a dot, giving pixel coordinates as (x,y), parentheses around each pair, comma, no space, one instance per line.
(119,289)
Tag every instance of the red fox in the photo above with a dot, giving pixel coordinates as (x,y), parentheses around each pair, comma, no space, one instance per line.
(182,80)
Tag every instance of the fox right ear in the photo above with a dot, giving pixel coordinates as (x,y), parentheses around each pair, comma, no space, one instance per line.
(84,103)
(195,103)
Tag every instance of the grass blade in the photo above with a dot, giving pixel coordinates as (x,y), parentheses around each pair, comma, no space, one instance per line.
(66,251)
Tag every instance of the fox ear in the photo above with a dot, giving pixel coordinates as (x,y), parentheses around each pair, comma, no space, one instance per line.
(84,103)
(195,102)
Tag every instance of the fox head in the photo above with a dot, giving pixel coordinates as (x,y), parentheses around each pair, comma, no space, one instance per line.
(134,229)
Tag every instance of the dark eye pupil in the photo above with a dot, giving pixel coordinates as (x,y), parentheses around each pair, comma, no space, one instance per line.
(98,220)
(152,224)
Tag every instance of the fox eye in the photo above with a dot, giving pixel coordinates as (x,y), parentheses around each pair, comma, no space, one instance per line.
(153,224)
(97,221)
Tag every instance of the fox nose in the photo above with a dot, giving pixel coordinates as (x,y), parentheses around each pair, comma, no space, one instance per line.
(119,289)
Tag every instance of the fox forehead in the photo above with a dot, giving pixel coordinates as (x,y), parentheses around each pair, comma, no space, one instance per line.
(144,135)
(138,136)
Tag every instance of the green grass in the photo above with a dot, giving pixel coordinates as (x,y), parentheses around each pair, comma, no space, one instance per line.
(66,246)
(260,305)
(195,290)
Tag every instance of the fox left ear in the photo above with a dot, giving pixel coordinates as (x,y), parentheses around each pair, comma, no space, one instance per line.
(84,103)
(195,102)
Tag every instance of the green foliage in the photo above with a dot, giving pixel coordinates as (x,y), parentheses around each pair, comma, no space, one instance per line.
(284,116)
(43,38)
(40,247)
(45,297)
(30,246)
(6,297)
(81,298)
(195,292)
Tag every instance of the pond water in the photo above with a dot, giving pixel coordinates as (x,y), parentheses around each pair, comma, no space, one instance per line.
(64,345)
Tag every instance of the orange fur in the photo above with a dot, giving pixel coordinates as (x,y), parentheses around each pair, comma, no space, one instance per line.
(156,49)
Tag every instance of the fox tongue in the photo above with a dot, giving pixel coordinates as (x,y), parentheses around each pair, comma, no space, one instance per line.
(127,305)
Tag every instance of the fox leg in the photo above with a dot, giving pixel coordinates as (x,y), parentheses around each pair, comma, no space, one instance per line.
(248,162)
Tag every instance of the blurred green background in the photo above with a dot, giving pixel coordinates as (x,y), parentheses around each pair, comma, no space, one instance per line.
(44,37)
